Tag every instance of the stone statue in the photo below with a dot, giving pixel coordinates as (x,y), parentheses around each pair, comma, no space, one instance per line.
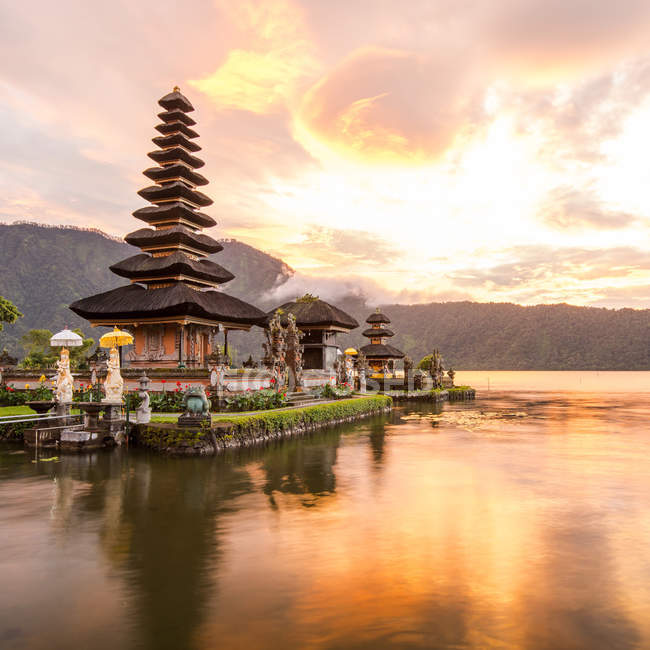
(276,351)
(113,384)
(196,407)
(451,373)
(195,401)
(249,363)
(339,370)
(437,368)
(408,371)
(6,359)
(294,353)
(64,382)
(349,370)
(143,412)
(362,368)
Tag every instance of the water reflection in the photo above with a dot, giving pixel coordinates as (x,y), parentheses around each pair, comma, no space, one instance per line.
(518,522)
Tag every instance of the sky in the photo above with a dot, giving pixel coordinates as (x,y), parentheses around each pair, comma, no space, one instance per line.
(414,150)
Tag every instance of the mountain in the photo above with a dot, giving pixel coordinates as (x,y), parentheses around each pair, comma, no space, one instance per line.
(43,269)
(489,336)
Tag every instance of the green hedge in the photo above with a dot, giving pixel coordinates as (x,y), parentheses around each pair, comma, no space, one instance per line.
(247,425)
(250,427)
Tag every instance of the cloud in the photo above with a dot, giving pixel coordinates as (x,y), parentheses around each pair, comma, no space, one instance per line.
(568,208)
(358,288)
(543,263)
(341,251)
(264,76)
(417,99)
(388,105)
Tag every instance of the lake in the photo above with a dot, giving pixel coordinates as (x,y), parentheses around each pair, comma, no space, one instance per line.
(519,520)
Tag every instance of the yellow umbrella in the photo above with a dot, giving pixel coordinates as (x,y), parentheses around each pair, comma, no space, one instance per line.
(351,351)
(115,338)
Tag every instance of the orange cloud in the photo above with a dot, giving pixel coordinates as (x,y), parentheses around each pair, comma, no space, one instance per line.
(262,76)
(390,105)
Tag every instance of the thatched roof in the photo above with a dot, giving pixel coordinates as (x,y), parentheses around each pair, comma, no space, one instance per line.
(172,237)
(316,313)
(171,212)
(176,116)
(176,100)
(175,172)
(176,139)
(169,128)
(377,317)
(174,190)
(374,332)
(169,266)
(164,156)
(134,301)
(381,351)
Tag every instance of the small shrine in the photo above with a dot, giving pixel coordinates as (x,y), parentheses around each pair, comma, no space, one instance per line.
(173,306)
(320,322)
(381,356)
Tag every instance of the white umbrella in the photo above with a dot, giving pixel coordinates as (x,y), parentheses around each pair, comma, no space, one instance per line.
(67,339)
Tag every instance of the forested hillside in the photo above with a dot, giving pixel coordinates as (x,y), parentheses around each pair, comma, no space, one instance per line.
(511,337)
(44,269)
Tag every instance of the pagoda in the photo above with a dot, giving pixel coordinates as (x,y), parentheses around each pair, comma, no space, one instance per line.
(380,355)
(320,322)
(172,306)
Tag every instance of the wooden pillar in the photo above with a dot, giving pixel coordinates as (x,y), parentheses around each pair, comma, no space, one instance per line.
(225,344)
(181,336)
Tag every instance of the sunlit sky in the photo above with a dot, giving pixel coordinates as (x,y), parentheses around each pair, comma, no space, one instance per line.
(421,150)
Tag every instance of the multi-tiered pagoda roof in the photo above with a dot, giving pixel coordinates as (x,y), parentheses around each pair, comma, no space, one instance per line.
(172,276)
(378,349)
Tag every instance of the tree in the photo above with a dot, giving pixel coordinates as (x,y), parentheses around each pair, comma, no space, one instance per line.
(8,312)
(41,355)
(79,355)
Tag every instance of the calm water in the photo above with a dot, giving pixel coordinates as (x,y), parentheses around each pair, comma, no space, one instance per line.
(521,520)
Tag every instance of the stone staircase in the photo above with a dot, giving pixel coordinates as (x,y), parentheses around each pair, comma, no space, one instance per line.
(302,399)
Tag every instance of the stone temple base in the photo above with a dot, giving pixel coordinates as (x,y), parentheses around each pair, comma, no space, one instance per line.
(188,420)
(74,440)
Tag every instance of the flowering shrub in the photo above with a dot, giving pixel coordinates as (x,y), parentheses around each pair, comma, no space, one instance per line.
(9,396)
(256,400)
(335,392)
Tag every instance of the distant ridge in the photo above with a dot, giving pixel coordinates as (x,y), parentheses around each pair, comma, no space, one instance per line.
(62,227)
(44,268)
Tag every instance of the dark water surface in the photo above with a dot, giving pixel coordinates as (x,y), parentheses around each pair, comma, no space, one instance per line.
(518,521)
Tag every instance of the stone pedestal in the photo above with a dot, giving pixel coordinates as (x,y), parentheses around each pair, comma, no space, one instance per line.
(63,409)
(190,421)
(91,412)
(112,420)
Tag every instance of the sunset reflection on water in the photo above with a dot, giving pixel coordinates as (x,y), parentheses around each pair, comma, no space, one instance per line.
(518,521)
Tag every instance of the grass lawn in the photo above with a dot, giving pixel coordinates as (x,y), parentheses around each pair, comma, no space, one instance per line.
(16,410)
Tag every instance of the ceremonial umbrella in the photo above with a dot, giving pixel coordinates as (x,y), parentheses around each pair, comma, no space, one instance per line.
(67,339)
(115,339)
(351,352)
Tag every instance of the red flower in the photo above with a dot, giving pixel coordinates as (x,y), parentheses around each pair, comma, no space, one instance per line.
(163,381)
(273,381)
(178,383)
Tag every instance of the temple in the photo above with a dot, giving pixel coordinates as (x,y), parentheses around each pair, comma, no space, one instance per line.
(380,355)
(320,323)
(172,305)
